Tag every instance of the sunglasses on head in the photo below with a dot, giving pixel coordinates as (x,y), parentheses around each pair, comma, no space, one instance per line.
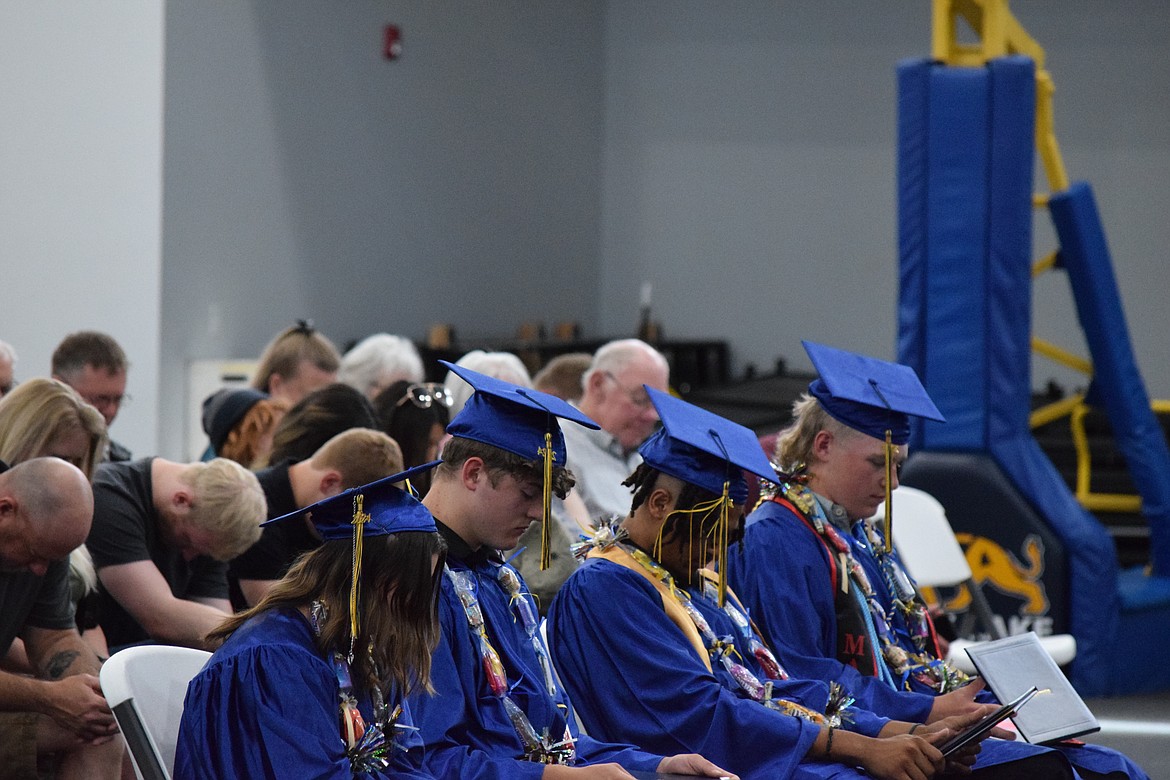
(424,395)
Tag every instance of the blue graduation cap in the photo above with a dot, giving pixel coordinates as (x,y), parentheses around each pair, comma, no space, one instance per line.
(520,420)
(511,417)
(875,397)
(388,509)
(703,449)
(379,508)
(708,451)
(869,395)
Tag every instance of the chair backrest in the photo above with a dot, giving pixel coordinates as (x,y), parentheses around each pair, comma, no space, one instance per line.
(925,541)
(145,687)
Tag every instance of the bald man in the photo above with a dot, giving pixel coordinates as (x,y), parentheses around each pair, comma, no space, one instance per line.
(46,506)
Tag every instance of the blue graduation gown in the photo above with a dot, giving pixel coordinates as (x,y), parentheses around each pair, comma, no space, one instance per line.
(781,572)
(464,726)
(266,706)
(633,675)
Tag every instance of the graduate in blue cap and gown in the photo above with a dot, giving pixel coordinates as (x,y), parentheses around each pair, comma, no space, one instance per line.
(826,588)
(312,681)
(657,651)
(499,711)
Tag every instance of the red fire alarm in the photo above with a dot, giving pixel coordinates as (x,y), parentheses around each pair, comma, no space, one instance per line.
(391,42)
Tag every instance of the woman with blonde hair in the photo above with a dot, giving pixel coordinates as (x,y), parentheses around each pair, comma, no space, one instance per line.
(45,417)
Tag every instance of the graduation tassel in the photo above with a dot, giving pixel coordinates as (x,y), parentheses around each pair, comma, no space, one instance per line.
(723,532)
(360,518)
(888,520)
(546,495)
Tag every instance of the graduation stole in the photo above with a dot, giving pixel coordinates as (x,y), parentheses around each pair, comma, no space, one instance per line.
(927,669)
(679,607)
(538,747)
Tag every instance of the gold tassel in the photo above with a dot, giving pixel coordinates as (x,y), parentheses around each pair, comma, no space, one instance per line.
(724,535)
(546,495)
(360,518)
(888,526)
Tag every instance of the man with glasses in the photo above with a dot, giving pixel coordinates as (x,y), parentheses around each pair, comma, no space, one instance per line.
(614,396)
(94,365)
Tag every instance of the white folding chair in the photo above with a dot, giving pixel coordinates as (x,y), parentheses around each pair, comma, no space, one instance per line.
(145,687)
(934,558)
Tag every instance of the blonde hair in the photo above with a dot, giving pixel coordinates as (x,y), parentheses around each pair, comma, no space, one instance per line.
(38,411)
(243,441)
(360,455)
(228,502)
(284,354)
(794,444)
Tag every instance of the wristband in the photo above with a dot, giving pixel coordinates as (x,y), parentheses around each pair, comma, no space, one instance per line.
(829,743)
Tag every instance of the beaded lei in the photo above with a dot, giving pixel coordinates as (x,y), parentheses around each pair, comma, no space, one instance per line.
(538,747)
(906,602)
(368,745)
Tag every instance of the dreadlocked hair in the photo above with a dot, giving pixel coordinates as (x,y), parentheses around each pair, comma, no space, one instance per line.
(642,482)
(645,479)
(398,606)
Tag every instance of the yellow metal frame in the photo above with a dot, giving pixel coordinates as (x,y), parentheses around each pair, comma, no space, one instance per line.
(1000,34)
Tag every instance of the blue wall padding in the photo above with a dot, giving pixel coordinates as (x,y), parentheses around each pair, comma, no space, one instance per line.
(958,124)
(964,228)
(1117,382)
(1090,559)
(913,143)
(1009,242)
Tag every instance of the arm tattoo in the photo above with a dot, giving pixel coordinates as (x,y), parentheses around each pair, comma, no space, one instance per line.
(60,663)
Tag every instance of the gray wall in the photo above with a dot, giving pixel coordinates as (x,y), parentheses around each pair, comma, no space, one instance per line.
(81,187)
(308,177)
(750,167)
(530,160)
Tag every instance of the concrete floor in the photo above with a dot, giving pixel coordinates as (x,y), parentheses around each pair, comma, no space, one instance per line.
(1139,726)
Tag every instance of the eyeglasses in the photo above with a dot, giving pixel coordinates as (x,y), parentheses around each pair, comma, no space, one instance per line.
(639,398)
(426,394)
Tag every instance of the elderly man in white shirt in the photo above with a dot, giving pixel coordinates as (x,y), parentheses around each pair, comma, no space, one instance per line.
(615,398)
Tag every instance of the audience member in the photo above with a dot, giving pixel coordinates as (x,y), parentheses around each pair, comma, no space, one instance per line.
(296,362)
(351,458)
(415,415)
(564,376)
(41,418)
(45,417)
(240,423)
(498,705)
(313,681)
(162,533)
(94,365)
(614,396)
(317,418)
(7,368)
(500,365)
(45,510)
(378,361)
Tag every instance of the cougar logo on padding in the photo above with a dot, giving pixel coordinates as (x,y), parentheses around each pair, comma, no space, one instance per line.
(992,564)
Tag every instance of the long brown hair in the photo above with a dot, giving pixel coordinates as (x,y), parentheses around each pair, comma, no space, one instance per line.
(399,606)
